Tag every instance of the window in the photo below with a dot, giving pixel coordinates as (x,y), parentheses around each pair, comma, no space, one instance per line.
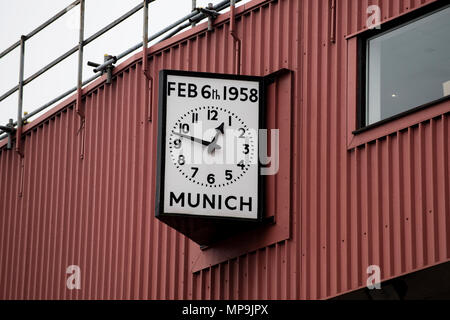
(405,68)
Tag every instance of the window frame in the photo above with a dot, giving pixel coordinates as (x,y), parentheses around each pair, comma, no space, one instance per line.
(362,57)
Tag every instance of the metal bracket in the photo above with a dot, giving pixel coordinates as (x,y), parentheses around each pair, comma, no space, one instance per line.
(10,130)
(211,13)
(265,221)
(272,77)
(333,21)
(108,69)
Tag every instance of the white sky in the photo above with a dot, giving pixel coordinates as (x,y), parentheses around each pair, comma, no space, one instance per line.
(21,17)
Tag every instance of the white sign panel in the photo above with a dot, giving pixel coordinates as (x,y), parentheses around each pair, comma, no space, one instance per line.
(208,144)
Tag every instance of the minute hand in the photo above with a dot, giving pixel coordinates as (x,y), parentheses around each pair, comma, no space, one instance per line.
(201,141)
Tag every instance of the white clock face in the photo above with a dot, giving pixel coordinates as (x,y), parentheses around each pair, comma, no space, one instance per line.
(211,146)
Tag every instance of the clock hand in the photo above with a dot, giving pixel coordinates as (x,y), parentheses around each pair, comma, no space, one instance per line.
(220,128)
(213,144)
(203,142)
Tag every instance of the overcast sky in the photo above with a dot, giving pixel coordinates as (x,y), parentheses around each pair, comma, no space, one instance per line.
(20,17)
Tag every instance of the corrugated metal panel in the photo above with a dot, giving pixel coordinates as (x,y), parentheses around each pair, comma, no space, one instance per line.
(385,202)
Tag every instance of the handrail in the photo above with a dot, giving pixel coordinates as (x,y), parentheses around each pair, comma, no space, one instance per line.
(41,27)
(194,17)
(74,49)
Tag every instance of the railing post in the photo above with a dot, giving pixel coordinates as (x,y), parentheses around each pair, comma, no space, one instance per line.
(194,7)
(78,108)
(148,78)
(145,36)
(80,61)
(20,98)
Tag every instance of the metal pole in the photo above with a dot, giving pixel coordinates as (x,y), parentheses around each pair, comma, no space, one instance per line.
(194,7)
(145,33)
(9,49)
(232,17)
(9,129)
(78,107)
(147,101)
(80,46)
(80,59)
(20,98)
(9,145)
(210,19)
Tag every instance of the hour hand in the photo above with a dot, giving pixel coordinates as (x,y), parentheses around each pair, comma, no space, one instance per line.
(213,144)
(201,141)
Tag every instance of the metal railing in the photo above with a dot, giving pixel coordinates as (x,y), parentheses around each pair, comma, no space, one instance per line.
(191,19)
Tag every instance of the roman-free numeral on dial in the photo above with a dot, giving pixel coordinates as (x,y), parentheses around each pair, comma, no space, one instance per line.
(177,143)
(184,127)
(181,160)
(242,131)
(212,115)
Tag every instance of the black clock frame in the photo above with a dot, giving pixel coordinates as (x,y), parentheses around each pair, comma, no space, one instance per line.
(204,230)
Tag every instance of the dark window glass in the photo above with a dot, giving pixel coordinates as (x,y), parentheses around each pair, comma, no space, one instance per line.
(408,66)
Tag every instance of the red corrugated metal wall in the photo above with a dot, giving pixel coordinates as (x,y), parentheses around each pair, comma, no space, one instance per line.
(385,202)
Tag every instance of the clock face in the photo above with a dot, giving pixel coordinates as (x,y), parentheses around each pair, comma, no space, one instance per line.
(208,145)
(212,146)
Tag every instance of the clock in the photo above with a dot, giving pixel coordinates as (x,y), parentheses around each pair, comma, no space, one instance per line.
(212,146)
(208,166)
